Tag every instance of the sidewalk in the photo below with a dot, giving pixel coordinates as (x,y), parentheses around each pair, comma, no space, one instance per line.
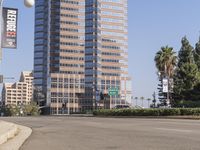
(12,136)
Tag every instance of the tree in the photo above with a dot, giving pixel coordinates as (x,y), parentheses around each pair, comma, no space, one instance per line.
(142,99)
(149,102)
(196,54)
(185,54)
(12,110)
(31,109)
(136,98)
(165,61)
(194,94)
(187,74)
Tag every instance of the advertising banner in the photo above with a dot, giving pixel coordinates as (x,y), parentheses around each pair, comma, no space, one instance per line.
(9,33)
(165,85)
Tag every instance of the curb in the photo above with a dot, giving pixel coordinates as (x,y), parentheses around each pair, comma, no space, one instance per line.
(17,139)
(7,131)
(154,117)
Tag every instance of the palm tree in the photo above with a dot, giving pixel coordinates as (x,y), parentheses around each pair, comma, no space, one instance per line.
(142,99)
(166,60)
(149,102)
(136,98)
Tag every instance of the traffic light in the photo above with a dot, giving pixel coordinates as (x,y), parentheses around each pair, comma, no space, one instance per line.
(63,105)
(101,96)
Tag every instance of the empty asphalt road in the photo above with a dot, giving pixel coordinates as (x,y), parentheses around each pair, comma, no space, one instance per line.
(82,133)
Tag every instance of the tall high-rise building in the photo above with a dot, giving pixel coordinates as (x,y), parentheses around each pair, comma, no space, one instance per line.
(80,53)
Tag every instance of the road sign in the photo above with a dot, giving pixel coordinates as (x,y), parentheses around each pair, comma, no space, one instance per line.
(113,92)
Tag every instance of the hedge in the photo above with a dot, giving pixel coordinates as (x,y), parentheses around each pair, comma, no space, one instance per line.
(148,112)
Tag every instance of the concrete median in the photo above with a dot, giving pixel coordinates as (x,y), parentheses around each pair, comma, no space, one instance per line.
(7,131)
(12,136)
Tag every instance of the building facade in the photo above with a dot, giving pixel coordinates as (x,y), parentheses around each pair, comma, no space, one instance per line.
(20,92)
(106,50)
(81,52)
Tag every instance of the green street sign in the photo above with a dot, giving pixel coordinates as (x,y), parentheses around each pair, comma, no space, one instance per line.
(113,92)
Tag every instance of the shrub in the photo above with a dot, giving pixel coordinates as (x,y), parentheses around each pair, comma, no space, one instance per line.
(31,109)
(170,112)
(148,112)
(190,111)
(187,104)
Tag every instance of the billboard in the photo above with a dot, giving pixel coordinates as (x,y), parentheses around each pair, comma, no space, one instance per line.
(9,34)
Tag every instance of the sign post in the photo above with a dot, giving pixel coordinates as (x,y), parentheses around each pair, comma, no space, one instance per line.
(113,92)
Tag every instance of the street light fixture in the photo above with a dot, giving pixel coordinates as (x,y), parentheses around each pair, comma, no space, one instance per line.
(29,3)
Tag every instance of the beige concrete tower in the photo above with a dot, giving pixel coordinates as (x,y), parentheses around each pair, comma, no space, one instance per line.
(20,92)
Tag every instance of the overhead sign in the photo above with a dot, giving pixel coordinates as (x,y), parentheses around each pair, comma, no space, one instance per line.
(113,92)
(9,34)
(165,85)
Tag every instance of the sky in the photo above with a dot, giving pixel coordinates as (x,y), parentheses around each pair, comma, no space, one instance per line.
(152,24)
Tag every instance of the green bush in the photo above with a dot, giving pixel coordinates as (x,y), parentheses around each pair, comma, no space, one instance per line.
(190,111)
(11,110)
(170,112)
(148,112)
(31,109)
(187,104)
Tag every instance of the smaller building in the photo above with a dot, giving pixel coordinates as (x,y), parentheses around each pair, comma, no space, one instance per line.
(20,92)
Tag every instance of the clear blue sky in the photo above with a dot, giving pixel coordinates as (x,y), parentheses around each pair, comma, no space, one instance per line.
(152,24)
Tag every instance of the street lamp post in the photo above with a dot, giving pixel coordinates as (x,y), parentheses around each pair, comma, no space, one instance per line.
(1,23)
(97,94)
(154,99)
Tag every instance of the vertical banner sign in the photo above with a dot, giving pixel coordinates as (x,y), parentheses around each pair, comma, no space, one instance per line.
(165,85)
(9,35)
